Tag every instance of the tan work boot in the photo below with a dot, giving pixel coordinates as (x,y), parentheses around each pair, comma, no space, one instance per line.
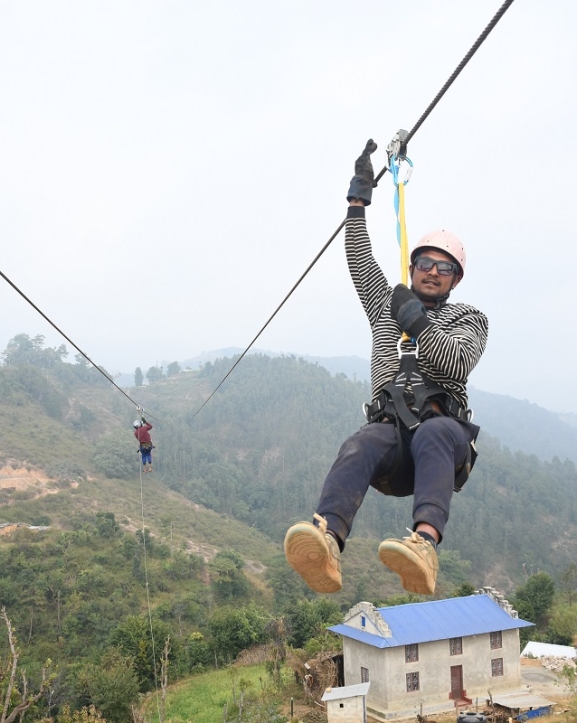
(314,554)
(414,559)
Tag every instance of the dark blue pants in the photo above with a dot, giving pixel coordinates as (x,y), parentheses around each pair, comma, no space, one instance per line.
(432,453)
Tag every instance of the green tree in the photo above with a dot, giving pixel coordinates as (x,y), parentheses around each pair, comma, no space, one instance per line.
(116,457)
(21,349)
(172,369)
(563,624)
(134,638)
(154,374)
(111,686)
(308,619)
(106,524)
(198,651)
(138,377)
(533,600)
(237,628)
(228,578)
(464,590)
(568,582)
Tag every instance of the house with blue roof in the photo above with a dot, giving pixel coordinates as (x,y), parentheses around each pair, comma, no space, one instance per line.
(432,656)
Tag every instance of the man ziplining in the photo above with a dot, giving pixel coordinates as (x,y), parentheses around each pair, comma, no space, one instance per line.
(142,433)
(418,440)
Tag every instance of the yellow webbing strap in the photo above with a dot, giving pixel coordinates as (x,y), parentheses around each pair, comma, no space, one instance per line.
(403,240)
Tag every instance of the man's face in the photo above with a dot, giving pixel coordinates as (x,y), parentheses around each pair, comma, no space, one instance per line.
(431,284)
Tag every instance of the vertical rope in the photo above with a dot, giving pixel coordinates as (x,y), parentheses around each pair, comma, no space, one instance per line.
(145,560)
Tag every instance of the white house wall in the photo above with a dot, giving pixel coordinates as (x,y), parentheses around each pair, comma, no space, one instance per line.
(477,653)
(357,655)
(351,711)
(387,672)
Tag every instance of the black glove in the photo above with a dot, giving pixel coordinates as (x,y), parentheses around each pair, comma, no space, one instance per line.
(363,182)
(144,420)
(408,311)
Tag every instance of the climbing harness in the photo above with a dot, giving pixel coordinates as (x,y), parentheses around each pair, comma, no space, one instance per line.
(427,399)
(406,409)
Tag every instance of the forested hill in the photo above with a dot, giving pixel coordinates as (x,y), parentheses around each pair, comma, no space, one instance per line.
(518,424)
(258,452)
(261,448)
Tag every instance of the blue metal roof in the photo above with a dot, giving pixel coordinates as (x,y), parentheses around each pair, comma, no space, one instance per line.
(436,620)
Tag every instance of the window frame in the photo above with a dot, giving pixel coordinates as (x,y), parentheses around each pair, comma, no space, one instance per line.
(497,668)
(455,648)
(364,675)
(496,640)
(412,653)
(412,682)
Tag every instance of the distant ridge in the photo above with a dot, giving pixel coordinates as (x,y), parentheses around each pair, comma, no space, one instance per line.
(354,367)
(517,424)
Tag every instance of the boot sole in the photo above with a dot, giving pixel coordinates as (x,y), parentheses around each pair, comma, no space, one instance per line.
(408,566)
(307,553)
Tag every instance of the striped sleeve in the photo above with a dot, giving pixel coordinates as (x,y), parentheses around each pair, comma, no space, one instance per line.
(372,287)
(453,348)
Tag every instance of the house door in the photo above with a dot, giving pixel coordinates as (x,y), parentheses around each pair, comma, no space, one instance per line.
(456,682)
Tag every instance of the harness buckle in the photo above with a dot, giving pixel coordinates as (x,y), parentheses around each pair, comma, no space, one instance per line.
(407,352)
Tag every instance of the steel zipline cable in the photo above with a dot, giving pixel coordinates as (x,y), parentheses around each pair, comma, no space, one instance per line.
(476,45)
(68,339)
(145,559)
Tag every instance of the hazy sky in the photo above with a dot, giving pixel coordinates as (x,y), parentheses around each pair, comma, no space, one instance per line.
(168,169)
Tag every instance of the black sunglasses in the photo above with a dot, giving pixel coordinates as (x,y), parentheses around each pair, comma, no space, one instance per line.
(444,268)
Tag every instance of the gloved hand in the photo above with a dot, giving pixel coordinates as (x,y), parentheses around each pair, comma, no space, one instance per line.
(363,182)
(408,311)
(144,420)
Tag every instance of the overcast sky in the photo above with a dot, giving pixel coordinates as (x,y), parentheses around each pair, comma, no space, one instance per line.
(168,169)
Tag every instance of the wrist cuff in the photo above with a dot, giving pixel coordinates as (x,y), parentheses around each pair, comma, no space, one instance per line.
(356,212)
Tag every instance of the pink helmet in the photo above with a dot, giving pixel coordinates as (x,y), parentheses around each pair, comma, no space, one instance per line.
(446,242)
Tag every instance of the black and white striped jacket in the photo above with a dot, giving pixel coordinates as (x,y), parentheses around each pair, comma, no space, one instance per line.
(449,348)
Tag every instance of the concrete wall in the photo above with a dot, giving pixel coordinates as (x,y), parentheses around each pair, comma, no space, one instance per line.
(357,655)
(477,656)
(352,710)
(388,669)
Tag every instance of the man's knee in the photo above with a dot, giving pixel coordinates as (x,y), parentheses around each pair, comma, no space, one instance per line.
(441,432)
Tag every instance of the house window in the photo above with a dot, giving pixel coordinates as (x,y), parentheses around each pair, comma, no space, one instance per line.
(363,621)
(497,667)
(456,646)
(364,675)
(411,653)
(496,640)
(412,682)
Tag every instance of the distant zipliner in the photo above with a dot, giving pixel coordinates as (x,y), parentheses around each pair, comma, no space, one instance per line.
(142,433)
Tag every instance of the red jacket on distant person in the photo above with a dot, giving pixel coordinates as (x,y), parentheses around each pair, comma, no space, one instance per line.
(142,433)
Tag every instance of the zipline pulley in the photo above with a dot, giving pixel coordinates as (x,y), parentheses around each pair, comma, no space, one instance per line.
(398,145)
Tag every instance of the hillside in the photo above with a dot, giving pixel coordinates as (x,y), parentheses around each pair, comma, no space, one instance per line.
(258,454)
(518,424)
(195,550)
